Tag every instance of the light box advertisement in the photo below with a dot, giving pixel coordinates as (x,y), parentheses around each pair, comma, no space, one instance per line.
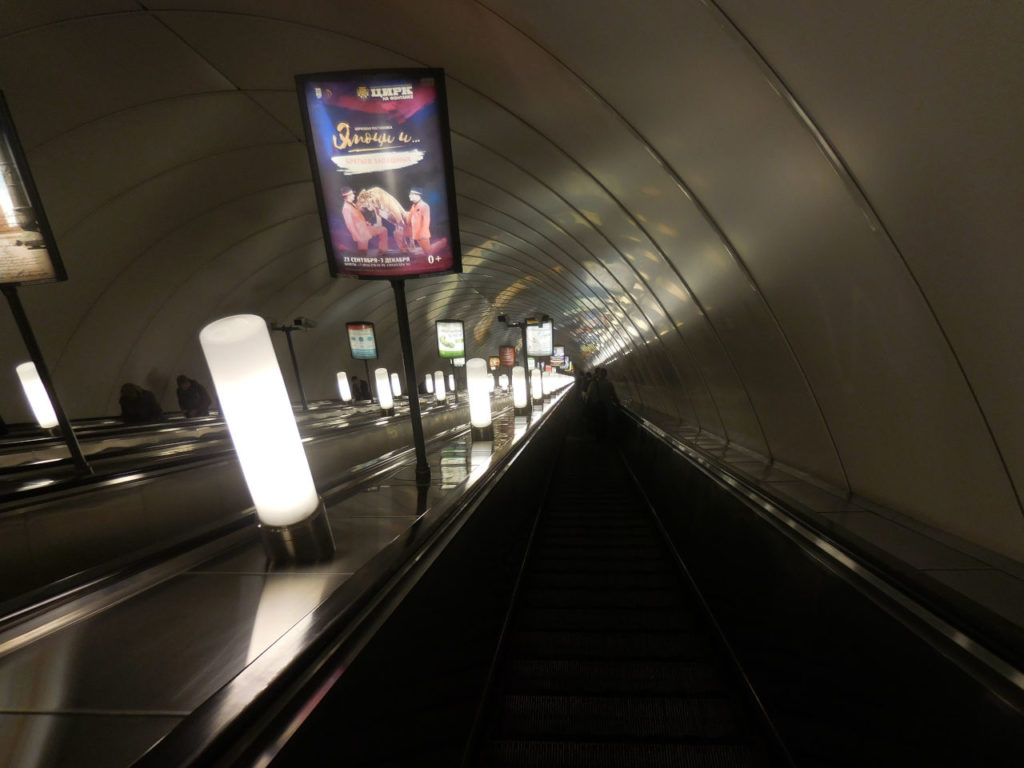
(507,355)
(28,252)
(557,355)
(539,339)
(361,340)
(493,362)
(451,339)
(379,145)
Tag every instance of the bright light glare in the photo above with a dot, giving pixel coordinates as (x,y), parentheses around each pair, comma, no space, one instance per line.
(478,385)
(259,416)
(36,395)
(380,375)
(343,387)
(439,392)
(518,387)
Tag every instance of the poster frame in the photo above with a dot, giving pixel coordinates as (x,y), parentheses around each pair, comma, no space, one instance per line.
(348,336)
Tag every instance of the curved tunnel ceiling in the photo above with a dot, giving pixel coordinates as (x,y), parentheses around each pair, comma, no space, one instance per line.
(793,225)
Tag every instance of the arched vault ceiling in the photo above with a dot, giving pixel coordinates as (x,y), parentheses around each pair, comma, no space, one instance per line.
(794,225)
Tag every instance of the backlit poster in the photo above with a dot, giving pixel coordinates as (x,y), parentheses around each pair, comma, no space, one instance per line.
(493,362)
(379,145)
(28,252)
(361,340)
(557,355)
(451,339)
(539,338)
(507,355)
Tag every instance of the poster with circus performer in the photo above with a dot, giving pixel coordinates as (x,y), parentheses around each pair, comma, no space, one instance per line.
(379,145)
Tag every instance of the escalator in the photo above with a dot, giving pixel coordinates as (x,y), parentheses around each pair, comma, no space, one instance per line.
(608,658)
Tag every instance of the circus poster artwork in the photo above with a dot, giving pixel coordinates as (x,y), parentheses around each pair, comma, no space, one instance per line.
(380,150)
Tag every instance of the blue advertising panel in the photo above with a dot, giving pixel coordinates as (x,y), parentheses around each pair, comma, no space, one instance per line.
(379,145)
(361,340)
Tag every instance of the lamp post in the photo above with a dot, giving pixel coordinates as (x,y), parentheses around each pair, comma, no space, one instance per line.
(519,396)
(344,389)
(299,324)
(258,412)
(478,389)
(383,381)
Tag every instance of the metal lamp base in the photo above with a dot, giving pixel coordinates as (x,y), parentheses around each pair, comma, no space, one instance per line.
(524,411)
(481,434)
(387,411)
(307,541)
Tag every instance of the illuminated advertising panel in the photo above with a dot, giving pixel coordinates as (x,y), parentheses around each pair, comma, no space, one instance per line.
(459,362)
(379,146)
(28,252)
(557,355)
(493,363)
(361,340)
(451,339)
(538,339)
(507,355)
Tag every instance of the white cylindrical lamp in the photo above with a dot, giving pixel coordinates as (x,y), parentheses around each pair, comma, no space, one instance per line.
(255,404)
(503,381)
(520,400)
(451,382)
(478,388)
(439,392)
(396,385)
(387,402)
(428,382)
(35,393)
(344,389)
(536,394)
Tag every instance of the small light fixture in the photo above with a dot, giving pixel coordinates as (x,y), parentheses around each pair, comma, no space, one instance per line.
(35,393)
(428,382)
(451,382)
(439,392)
(396,385)
(519,396)
(255,404)
(478,388)
(343,387)
(387,402)
(503,381)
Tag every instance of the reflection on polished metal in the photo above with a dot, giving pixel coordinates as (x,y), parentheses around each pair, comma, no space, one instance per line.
(307,541)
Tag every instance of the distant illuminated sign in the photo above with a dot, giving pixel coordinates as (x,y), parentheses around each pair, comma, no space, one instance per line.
(539,339)
(493,362)
(451,339)
(28,251)
(379,145)
(507,355)
(557,355)
(361,340)
(459,362)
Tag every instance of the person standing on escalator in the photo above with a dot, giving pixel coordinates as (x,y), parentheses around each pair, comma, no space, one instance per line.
(193,399)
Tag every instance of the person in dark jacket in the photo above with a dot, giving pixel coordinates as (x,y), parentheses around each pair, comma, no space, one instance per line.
(193,399)
(139,405)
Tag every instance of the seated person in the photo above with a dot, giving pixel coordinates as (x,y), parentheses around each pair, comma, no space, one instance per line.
(193,399)
(139,405)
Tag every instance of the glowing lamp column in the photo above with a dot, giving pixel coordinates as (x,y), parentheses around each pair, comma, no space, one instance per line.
(503,382)
(428,382)
(387,402)
(36,395)
(478,387)
(535,391)
(519,398)
(439,392)
(343,387)
(396,385)
(255,404)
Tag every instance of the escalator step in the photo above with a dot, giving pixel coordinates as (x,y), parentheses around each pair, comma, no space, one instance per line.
(560,754)
(621,718)
(597,620)
(604,579)
(608,597)
(687,678)
(606,645)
